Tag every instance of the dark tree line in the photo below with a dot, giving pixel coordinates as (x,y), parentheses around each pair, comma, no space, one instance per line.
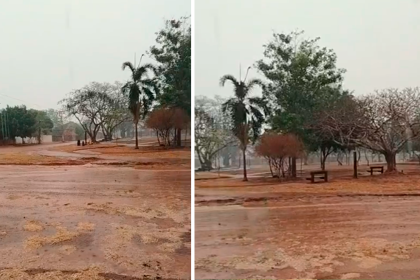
(19,121)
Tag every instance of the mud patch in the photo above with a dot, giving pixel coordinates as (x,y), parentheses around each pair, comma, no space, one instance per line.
(183,249)
(146,212)
(143,240)
(14,196)
(61,235)
(33,226)
(350,276)
(80,241)
(43,274)
(67,249)
(86,226)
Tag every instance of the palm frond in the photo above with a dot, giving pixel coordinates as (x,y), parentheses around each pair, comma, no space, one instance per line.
(151,67)
(128,64)
(148,94)
(229,78)
(228,105)
(254,82)
(261,103)
(126,88)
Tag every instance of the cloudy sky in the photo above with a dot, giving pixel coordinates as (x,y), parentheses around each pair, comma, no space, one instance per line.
(50,47)
(377,41)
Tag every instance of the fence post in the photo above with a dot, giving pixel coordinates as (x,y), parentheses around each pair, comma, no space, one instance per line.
(355,164)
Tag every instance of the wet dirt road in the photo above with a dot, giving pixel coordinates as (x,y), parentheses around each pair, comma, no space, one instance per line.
(118,220)
(324,237)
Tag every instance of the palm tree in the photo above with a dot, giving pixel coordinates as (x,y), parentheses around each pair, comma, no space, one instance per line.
(141,91)
(247,113)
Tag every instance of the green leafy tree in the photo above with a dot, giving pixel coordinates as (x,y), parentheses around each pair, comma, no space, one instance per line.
(21,121)
(43,125)
(246,113)
(141,91)
(302,80)
(173,55)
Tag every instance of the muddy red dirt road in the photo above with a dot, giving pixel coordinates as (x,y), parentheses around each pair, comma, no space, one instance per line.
(94,222)
(324,234)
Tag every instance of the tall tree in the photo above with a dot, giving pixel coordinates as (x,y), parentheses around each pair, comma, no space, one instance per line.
(173,55)
(302,79)
(141,91)
(246,113)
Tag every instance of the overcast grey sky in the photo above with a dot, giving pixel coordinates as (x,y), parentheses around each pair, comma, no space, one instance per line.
(50,47)
(377,41)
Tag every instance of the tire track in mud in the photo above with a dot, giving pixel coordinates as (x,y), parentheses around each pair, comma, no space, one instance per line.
(241,201)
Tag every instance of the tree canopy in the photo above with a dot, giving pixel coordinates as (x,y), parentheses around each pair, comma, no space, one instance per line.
(302,79)
(172,53)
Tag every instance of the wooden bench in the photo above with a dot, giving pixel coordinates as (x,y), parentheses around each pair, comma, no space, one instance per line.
(372,169)
(318,174)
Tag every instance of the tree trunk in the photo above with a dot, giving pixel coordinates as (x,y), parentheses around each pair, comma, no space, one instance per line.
(355,162)
(323,157)
(339,154)
(206,165)
(391,163)
(244,160)
(271,169)
(294,167)
(137,139)
(93,138)
(157,136)
(178,137)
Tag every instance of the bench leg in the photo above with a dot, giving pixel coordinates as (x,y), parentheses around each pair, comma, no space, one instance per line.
(312,179)
(326,177)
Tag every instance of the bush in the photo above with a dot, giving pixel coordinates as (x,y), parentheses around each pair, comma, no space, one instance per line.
(165,122)
(279,149)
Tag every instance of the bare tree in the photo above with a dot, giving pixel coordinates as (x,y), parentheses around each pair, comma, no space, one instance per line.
(382,122)
(210,138)
(97,106)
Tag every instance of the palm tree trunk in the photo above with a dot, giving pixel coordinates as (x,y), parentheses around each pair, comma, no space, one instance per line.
(244,160)
(137,138)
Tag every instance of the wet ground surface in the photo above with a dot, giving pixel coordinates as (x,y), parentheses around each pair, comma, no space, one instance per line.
(317,233)
(94,222)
